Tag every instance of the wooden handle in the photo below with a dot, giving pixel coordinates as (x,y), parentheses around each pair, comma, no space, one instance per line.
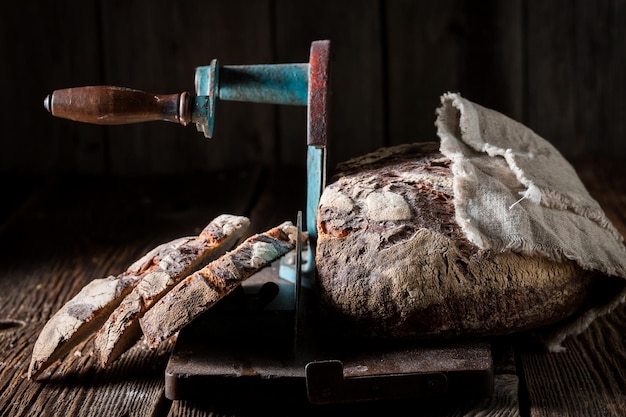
(107,105)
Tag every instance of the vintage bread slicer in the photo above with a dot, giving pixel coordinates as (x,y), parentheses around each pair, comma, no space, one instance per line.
(266,341)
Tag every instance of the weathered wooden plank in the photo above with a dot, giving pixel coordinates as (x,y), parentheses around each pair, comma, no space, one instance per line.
(83,229)
(570,57)
(600,87)
(551,81)
(423,62)
(576,91)
(588,378)
(20,190)
(451,45)
(356,125)
(156,46)
(493,57)
(32,292)
(616,88)
(45,46)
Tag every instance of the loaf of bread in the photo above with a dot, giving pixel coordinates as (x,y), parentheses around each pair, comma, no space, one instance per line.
(84,313)
(121,330)
(204,288)
(89,309)
(393,262)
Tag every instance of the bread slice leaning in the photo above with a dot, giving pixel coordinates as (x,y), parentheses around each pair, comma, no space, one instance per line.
(82,315)
(121,330)
(204,288)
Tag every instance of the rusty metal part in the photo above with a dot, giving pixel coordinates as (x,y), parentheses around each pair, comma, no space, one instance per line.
(234,355)
(392,371)
(318,118)
(319,94)
(236,352)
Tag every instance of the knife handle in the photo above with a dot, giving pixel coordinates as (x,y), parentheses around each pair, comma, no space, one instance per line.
(108,105)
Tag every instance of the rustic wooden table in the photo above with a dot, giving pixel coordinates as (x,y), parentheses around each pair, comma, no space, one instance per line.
(58,233)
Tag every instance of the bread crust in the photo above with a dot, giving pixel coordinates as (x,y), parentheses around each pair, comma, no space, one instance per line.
(88,310)
(121,330)
(84,313)
(203,289)
(393,262)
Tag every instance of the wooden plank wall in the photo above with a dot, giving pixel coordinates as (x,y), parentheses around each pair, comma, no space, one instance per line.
(556,66)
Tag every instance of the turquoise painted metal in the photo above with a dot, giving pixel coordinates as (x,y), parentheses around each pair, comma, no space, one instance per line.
(305,84)
(302,84)
(275,84)
(285,84)
(316,179)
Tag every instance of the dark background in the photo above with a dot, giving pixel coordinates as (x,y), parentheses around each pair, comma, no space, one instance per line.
(557,66)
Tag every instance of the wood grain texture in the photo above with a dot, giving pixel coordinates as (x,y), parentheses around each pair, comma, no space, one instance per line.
(38,290)
(41,54)
(277,200)
(557,66)
(85,228)
(354,28)
(450,46)
(156,46)
(84,233)
(588,379)
(574,98)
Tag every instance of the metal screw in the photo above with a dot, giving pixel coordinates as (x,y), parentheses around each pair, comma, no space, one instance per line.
(326,392)
(434,385)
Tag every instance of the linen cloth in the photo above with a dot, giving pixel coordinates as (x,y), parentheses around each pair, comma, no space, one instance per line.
(515,191)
